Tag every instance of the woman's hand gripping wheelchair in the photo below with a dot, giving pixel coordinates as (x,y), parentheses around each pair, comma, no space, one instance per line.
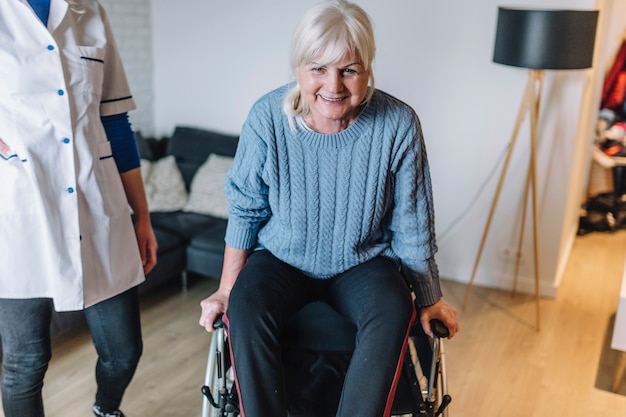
(318,334)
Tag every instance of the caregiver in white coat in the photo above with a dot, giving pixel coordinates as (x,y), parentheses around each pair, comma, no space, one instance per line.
(69,170)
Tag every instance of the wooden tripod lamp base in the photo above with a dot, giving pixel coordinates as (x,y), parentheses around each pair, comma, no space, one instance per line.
(530,102)
(537,39)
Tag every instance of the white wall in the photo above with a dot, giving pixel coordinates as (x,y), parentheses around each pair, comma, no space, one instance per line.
(213,59)
(131,22)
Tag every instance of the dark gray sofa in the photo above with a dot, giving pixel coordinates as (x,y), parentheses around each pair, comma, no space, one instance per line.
(189,243)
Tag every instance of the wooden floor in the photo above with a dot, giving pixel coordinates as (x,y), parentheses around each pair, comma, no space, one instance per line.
(497,366)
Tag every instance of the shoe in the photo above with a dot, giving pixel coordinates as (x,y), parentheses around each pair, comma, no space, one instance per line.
(99,413)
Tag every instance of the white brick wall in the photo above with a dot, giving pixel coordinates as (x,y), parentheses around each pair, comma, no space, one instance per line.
(131,26)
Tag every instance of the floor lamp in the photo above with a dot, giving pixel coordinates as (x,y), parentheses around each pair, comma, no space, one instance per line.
(537,39)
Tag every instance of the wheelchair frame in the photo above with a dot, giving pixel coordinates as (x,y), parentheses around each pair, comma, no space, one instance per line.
(424,372)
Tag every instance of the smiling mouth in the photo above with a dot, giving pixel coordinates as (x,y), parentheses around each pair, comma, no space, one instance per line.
(332,100)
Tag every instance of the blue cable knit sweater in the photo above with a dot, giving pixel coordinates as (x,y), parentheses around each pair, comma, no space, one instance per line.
(324,203)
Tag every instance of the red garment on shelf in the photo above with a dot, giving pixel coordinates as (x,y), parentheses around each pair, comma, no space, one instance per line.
(614,90)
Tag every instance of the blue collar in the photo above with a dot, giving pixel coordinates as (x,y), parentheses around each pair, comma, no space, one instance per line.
(42,8)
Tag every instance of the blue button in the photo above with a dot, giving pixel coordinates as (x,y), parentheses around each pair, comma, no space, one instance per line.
(50,47)
(60,92)
(70,190)
(66,140)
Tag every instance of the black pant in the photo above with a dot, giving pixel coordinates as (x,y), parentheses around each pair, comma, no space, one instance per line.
(267,292)
(25,331)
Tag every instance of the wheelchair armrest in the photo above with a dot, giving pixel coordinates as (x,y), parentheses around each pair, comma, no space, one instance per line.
(439,329)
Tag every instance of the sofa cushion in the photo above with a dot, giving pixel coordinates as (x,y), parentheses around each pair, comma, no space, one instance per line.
(165,189)
(207,188)
(170,259)
(183,224)
(205,252)
(168,241)
(64,321)
(192,146)
(211,239)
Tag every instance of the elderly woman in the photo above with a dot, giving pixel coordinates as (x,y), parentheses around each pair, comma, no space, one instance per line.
(329,199)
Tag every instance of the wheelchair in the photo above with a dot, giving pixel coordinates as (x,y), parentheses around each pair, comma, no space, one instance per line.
(317,345)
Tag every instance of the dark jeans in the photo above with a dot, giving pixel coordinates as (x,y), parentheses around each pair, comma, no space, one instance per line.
(373,296)
(25,333)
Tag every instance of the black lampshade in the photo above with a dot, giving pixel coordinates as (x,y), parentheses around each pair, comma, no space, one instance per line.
(545,39)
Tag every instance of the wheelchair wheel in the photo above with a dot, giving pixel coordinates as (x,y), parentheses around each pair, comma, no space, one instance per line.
(421,390)
(435,386)
(220,397)
(442,385)
(426,375)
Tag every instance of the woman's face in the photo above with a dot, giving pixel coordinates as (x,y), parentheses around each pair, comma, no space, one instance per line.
(333,92)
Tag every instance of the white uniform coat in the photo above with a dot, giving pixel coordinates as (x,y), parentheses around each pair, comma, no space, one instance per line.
(65,227)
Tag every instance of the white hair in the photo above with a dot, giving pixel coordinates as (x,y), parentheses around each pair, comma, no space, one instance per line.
(76,6)
(332,29)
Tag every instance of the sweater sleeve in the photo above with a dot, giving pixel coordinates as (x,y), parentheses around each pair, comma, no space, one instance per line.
(412,221)
(245,188)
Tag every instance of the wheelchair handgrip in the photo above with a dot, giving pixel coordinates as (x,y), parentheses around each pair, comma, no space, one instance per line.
(439,329)
(218,323)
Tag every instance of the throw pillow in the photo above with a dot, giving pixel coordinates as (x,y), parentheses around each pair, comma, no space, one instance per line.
(146,170)
(164,184)
(206,195)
